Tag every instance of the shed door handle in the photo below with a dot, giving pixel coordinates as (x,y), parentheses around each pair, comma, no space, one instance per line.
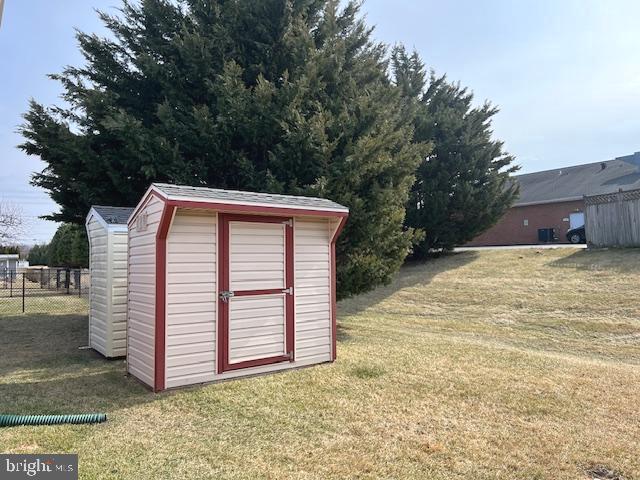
(225,296)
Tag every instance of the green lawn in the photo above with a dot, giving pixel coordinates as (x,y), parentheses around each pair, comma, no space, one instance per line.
(503,364)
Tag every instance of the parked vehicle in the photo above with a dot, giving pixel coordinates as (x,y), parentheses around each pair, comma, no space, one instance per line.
(577,235)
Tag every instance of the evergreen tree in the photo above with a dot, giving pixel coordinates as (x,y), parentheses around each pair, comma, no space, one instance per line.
(281,96)
(60,246)
(39,255)
(69,247)
(463,186)
(9,249)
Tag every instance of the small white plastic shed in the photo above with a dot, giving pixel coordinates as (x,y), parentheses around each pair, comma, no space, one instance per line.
(225,284)
(107,232)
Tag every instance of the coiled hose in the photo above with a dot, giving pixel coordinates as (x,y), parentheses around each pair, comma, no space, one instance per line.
(17,420)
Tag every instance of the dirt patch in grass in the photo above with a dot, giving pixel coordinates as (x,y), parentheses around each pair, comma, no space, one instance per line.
(603,472)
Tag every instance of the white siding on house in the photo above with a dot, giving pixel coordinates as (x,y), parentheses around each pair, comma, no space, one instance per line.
(142,293)
(312,289)
(99,300)
(191,298)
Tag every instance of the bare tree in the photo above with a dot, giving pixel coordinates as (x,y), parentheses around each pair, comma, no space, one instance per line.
(11,222)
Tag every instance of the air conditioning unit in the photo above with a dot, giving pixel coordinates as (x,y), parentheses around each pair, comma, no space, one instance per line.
(547,235)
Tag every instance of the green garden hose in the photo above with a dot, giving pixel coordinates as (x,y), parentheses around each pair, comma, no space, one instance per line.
(16,420)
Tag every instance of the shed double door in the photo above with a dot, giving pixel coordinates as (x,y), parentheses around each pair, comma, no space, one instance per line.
(256,325)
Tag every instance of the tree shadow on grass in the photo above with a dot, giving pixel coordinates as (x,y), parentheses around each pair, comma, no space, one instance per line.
(42,369)
(623,260)
(342,334)
(411,274)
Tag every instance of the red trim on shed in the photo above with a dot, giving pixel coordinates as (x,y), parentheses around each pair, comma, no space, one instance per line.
(223,279)
(258,362)
(224,364)
(161,282)
(239,217)
(224,282)
(238,208)
(289,281)
(248,293)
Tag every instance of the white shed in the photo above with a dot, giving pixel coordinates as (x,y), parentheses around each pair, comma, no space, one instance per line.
(107,232)
(8,266)
(224,284)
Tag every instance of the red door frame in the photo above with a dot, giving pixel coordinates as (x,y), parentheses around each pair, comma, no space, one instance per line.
(224,284)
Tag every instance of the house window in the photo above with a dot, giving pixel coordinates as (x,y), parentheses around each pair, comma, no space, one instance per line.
(526,222)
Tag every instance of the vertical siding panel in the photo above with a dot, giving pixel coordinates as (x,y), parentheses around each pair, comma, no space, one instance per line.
(118,291)
(191,298)
(312,289)
(141,290)
(99,299)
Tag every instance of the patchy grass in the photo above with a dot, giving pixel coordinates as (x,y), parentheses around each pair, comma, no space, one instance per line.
(39,300)
(44,304)
(367,371)
(503,364)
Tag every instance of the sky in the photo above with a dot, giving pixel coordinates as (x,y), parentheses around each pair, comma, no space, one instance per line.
(565,74)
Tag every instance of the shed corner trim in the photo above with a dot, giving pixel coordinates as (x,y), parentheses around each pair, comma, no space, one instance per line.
(161,284)
(94,214)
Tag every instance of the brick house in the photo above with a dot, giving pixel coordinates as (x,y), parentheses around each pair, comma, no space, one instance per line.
(553,199)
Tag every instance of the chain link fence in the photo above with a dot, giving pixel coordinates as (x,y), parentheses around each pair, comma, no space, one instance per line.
(46,290)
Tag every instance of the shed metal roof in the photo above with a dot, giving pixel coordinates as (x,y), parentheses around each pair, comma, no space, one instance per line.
(572,183)
(183,192)
(113,215)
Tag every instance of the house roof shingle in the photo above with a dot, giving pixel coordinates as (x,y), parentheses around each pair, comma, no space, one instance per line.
(572,183)
(251,198)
